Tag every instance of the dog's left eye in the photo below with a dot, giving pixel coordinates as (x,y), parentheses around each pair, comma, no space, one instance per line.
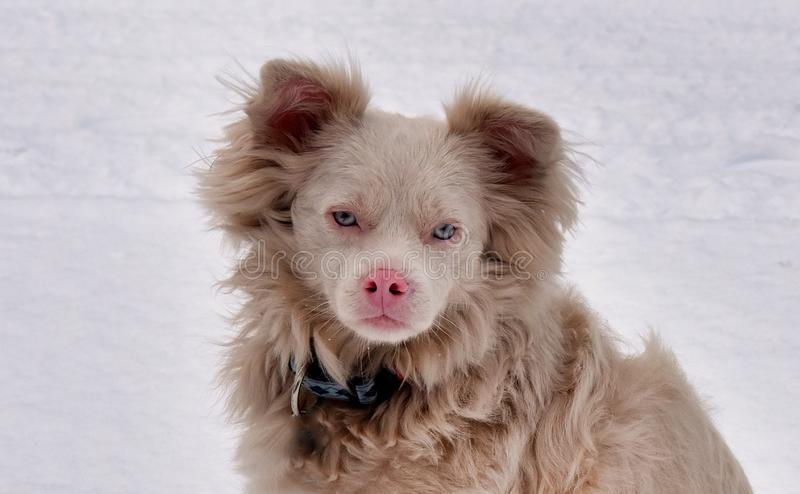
(445,231)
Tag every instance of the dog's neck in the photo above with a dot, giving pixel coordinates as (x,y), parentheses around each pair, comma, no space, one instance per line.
(360,390)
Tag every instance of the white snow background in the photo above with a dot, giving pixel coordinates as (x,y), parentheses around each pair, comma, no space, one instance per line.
(108,318)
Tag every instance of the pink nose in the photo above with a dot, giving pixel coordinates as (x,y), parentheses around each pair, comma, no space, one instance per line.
(384,287)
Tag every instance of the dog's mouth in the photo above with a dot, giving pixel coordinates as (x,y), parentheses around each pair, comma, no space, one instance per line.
(384,322)
(384,328)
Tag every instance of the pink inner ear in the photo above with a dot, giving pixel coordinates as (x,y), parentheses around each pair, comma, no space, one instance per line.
(300,107)
(513,146)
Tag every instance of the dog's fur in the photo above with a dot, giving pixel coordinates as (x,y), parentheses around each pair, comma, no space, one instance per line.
(511,383)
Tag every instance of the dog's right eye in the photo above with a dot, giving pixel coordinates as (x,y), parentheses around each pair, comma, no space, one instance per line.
(344,218)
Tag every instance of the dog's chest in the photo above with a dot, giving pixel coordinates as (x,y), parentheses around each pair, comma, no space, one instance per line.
(330,455)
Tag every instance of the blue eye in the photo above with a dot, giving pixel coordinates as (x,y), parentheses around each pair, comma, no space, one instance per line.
(344,218)
(445,231)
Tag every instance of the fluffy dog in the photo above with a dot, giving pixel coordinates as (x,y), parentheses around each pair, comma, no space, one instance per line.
(403,327)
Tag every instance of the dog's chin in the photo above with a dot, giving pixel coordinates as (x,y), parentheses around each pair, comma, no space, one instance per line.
(384,329)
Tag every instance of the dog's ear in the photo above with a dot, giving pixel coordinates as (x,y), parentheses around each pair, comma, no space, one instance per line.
(530,192)
(296,99)
(297,109)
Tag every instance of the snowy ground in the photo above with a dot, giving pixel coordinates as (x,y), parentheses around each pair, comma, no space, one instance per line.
(108,321)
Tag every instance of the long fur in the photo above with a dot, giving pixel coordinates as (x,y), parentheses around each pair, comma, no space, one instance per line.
(517,388)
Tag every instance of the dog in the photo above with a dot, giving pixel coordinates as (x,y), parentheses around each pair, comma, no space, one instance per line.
(403,326)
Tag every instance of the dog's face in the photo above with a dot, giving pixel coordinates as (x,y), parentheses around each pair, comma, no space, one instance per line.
(392,220)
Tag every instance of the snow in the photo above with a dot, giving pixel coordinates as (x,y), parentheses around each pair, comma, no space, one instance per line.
(108,319)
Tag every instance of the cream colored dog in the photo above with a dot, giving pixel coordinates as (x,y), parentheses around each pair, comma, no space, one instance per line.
(403,328)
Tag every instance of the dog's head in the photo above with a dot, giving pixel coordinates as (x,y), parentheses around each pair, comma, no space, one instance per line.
(392,222)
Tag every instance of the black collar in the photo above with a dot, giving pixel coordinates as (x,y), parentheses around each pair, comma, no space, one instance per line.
(360,391)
